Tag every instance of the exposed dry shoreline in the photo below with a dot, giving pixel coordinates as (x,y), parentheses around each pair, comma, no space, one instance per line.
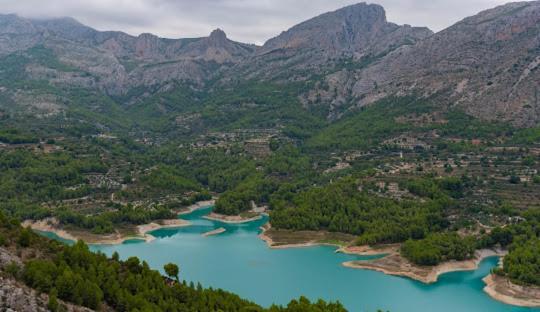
(141,231)
(395,264)
(499,288)
(197,206)
(271,243)
(52,225)
(502,289)
(49,225)
(231,219)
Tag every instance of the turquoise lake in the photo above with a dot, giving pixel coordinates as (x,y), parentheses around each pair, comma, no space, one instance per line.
(239,261)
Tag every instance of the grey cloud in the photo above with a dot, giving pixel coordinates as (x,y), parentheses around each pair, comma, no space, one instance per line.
(244,20)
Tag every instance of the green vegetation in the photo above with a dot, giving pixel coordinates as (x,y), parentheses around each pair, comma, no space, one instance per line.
(369,127)
(27,178)
(439,247)
(106,222)
(341,207)
(14,136)
(522,264)
(116,161)
(74,274)
(172,270)
(522,239)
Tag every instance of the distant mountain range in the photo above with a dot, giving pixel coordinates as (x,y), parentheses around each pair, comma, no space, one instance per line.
(486,64)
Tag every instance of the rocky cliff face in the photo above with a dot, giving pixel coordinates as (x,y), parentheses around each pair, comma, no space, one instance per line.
(486,64)
(16,34)
(117,62)
(15,296)
(355,32)
(218,48)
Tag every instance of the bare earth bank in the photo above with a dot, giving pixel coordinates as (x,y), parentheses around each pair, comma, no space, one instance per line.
(141,231)
(197,206)
(395,264)
(502,289)
(232,219)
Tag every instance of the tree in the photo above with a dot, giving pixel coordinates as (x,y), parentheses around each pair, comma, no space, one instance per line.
(172,270)
(25,237)
(514,179)
(53,305)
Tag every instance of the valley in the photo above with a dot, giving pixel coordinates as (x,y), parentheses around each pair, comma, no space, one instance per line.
(345,131)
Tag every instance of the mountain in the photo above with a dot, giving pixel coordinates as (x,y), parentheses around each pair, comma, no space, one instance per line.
(123,62)
(354,30)
(117,62)
(357,31)
(486,65)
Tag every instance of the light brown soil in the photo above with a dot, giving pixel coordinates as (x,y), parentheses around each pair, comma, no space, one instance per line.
(232,219)
(395,264)
(196,206)
(502,289)
(280,239)
(139,232)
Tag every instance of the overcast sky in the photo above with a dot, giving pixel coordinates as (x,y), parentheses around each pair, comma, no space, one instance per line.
(252,21)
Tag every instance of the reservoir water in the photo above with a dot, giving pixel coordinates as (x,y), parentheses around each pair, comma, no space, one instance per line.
(239,261)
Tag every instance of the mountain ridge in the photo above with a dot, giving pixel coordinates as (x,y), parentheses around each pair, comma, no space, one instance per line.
(357,54)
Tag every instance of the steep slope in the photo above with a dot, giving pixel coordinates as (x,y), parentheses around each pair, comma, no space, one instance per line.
(16,34)
(486,64)
(114,61)
(358,31)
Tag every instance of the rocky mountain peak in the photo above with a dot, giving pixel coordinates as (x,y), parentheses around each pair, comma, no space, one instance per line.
(147,46)
(352,29)
(13,24)
(488,64)
(66,28)
(217,37)
(17,33)
(365,13)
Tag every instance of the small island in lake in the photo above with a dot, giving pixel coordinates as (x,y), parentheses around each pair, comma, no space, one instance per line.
(214,232)
(243,218)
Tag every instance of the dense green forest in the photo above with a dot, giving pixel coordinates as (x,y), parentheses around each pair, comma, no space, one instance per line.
(74,274)
(414,171)
(107,162)
(522,264)
(439,247)
(347,206)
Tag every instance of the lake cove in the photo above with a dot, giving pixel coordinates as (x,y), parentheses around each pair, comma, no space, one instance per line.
(238,261)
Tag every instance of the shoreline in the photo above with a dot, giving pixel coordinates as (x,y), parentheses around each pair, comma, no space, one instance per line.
(230,219)
(369,250)
(503,290)
(196,206)
(497,288)
(394,264)
(45,226)
(270,243)
(50,225)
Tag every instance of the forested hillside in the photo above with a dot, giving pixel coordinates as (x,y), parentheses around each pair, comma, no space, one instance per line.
(76,275)
(377,132)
